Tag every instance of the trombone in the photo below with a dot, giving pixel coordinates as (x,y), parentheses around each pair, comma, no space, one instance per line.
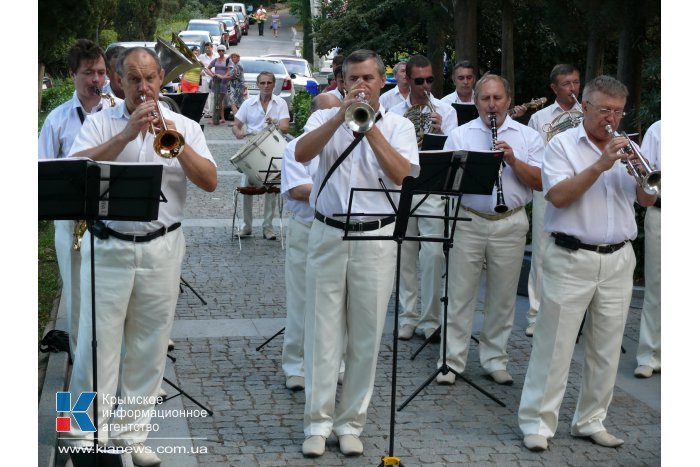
(647,178)
(167,143)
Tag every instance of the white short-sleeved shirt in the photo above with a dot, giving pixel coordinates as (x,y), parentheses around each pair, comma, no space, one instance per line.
(361,168)
(295,174)
(391,98)
(453,98)
(544,116)
(62,126)
(252,114)
(527,147)
(111,121)
(604,214)
(335,92)
(651,145)
(446,111)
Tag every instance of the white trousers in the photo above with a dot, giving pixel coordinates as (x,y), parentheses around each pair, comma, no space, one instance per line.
(348,288)
(137,286)
(574,281)
(69,268)
(501,243)
(208,106)
(268,214)
(295,281)
(534,280)
(649,349)
(432,264)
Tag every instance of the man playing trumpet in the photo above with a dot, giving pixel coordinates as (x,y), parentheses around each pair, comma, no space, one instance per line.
(428,115)
(137,264)
(588,262)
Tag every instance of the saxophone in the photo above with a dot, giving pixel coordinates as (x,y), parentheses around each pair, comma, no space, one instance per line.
(81,224)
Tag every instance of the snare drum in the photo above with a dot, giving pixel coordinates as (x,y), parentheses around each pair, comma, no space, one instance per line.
(255,159)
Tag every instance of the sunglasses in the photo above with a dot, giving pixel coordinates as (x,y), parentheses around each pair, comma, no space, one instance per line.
(420,81)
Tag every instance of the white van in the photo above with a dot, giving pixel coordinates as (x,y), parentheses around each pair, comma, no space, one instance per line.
(233,8)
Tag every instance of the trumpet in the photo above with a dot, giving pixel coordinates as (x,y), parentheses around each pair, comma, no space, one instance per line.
(167,143)
(360,115)
(500,199)
(647,178)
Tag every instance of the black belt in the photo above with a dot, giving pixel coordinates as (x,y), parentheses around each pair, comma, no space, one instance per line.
(657,203)
(572,243)
(100,230)
(355,226)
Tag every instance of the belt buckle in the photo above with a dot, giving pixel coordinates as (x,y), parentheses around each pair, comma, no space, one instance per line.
(605,249)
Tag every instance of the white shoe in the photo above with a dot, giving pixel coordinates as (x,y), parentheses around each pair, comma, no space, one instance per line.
(448,378)
(314,446)
(351,445)
(535,442)
(406,332)
(171,345)
(142,455)
(603,438)
(295,383)
(501,377)
(643,371)
(530,330)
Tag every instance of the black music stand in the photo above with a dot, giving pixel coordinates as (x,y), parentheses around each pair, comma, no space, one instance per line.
(191,103)
(80,189)
(433,142)
(446,173)
(465,113)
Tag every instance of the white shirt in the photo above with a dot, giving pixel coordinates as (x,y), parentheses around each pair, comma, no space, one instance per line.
(361,168)
(392,97)
(295,174)
(544,116)
(446,111)
(527,147)
(111,121)
(651,145)
(205,60)
(336,93)
(62,126)
(454,98)
(604,214)
(253,116)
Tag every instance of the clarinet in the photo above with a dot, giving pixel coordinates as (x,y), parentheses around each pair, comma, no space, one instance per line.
(500,200)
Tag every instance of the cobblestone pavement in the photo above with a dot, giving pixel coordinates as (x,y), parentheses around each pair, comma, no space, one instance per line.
(258,422)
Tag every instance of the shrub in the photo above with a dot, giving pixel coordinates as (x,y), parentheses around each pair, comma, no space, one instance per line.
(300,111)
(51,98)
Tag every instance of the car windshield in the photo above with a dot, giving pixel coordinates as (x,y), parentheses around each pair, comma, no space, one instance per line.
(213,29)
(240,16)
(256,66)
(298,68)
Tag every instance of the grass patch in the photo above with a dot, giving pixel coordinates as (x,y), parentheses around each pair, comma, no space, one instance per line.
(48,274)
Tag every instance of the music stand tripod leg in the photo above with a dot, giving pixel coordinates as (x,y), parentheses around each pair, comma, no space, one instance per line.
(183,281)
(181,392)
(281,331)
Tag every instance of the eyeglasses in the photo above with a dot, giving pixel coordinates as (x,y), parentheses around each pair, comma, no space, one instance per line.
(420,81)
(604,112)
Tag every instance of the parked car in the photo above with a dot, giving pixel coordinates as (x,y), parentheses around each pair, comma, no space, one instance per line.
(233,29)
(252,66)
(215,28)
(298,69)
(200,37)
(233,7)
(243,21)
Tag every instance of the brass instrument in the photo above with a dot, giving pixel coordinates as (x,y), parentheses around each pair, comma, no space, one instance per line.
(564,121)
(646,177)
(167,143)
(533,104)
(500,199)
(174,60)
(421,120)
(360,115)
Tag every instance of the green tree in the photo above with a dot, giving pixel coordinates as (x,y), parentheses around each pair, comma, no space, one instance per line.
(136,19)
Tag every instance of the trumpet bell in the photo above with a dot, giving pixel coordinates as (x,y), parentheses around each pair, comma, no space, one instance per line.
(168,144)
(173,61)
(359,117)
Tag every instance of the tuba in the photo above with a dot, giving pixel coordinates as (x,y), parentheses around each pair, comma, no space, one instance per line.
(647,178)
(564,121)
(174,60)
(421,120)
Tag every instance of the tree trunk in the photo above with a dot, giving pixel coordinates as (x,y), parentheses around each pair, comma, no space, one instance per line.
(466,45)
(594,55)
(629,62)
(507,52)
(435,47)
(41,82)
(308,45)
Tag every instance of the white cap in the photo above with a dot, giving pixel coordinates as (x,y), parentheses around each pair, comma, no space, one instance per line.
(221,47)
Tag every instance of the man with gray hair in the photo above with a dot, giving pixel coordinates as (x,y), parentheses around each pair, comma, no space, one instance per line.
(588,262)
(495,237)
(348,283)
(398,93)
